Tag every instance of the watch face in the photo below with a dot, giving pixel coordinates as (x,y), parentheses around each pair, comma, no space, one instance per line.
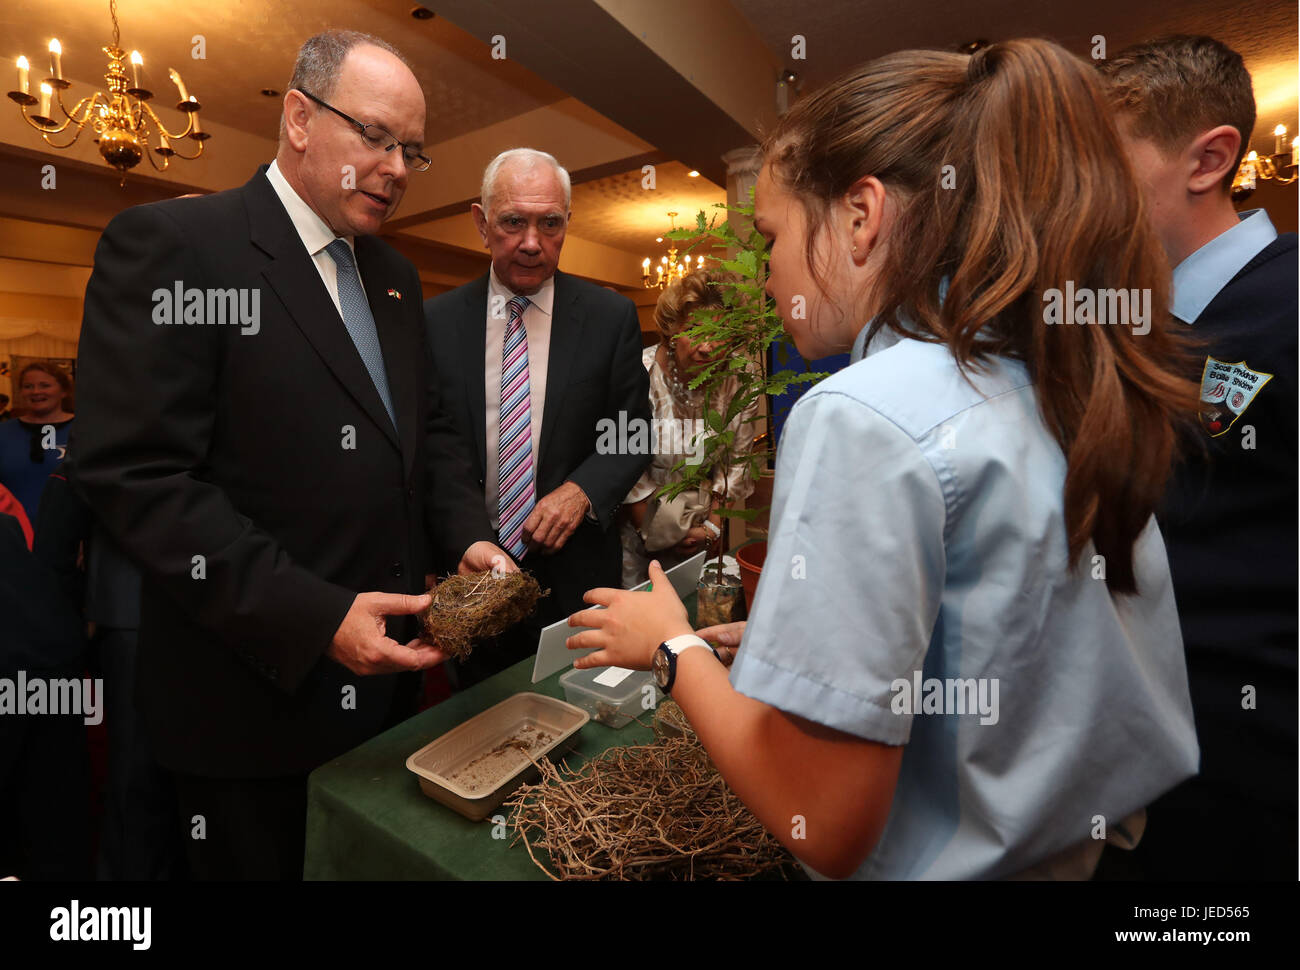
(660,668)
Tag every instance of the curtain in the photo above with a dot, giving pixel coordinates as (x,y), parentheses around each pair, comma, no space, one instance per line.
(34,338)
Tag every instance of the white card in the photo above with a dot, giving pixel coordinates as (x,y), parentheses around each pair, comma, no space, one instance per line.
(553,655)
(613,676)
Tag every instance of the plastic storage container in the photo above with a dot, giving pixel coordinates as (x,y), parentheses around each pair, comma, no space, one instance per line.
(611,695)
(473,768)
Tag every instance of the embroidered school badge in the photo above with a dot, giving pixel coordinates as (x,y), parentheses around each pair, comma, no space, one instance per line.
(1226,391)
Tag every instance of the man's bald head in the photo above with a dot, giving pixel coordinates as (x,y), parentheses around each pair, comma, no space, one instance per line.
(348,182)
(320,61)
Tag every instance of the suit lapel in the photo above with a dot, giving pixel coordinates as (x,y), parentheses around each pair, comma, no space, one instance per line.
(566,344)
(400,355)
(293,277)
(473,356)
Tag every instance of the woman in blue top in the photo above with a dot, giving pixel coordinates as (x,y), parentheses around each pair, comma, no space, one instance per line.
(963,658)
(33,445)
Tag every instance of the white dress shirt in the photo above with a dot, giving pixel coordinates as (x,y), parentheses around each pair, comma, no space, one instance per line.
(314,232)
(1199,278)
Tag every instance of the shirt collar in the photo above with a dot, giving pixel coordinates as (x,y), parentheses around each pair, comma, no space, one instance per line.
(314,232)
(1199,278)
(543,299)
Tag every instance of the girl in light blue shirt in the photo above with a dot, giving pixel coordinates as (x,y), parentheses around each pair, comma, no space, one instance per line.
(963,658)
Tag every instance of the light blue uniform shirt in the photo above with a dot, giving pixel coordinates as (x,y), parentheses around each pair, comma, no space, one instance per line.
(1199,278)
(918,525)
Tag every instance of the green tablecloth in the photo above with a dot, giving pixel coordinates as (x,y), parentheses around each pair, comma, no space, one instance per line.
(368,819)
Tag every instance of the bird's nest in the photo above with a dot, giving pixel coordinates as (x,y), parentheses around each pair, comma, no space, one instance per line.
(470,608)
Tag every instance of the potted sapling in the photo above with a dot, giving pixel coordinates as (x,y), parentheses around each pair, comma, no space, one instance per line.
(743,331)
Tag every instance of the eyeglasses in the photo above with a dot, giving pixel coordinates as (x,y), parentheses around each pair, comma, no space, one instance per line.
(378,139)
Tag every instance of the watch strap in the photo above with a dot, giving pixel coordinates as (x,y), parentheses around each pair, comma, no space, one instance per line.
(674,647)
(677,644)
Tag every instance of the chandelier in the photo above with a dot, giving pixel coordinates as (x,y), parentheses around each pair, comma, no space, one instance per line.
(668,268)
(1279,166)
(121,120)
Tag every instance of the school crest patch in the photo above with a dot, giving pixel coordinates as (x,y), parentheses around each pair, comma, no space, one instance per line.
(1226,391)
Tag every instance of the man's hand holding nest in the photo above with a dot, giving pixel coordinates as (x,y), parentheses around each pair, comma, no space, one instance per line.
(361,643)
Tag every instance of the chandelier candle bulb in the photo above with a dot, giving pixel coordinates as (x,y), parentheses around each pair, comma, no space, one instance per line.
(23,68)
(198,130)
(1279,139)
(136,61)
(56,61)
(46,91)
(180,85)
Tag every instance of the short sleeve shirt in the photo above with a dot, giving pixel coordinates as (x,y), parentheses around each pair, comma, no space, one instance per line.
(917,592)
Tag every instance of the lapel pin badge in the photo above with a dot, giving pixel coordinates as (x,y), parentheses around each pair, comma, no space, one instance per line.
(394,294)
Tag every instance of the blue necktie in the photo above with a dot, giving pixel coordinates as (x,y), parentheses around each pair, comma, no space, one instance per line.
(359,321)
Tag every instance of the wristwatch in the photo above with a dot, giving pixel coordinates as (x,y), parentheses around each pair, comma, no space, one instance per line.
(664,664)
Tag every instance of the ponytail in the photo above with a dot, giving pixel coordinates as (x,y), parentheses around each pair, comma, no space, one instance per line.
(1037,226)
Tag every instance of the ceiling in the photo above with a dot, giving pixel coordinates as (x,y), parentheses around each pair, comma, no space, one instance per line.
(840,34)
(250,45)
(619,211)
(606,85)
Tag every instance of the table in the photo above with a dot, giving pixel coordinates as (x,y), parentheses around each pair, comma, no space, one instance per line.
(368,819)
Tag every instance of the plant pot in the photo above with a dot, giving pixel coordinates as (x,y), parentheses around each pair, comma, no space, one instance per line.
(719,602)
(751,558)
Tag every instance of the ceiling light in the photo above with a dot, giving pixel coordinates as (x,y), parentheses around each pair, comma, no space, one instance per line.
(120,118)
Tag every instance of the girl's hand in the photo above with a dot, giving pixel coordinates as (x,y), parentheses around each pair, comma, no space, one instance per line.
(632,625)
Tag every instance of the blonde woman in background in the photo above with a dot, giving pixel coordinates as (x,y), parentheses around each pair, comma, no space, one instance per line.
(673,531)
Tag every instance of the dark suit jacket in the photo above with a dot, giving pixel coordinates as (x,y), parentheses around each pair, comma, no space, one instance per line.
(594,371)
(1229,525)
(203,440)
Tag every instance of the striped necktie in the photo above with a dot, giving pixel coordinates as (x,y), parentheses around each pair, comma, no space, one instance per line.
(358,319)
(515,464)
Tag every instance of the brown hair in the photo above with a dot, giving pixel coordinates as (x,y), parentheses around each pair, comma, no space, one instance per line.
(1175,88)
(694,291)
(1009,180)
(61,377)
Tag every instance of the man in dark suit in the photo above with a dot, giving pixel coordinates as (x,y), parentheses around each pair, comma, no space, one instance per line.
(558,355)
(264,460)
(1186,111)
